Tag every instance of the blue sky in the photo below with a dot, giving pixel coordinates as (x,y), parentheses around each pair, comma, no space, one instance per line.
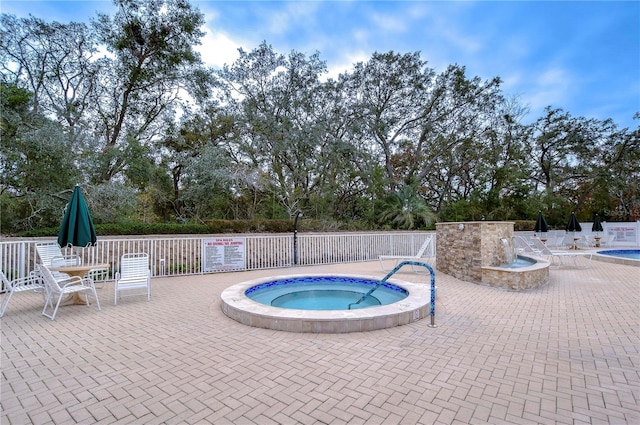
(583,57)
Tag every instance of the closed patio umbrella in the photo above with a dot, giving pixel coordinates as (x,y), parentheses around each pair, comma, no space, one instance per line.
(573,225)
(77,226)
(597,225)
(541,224)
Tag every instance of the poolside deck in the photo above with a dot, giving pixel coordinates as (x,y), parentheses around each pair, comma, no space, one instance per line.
(565,353)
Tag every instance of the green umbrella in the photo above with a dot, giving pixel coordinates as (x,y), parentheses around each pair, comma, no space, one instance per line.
(541,224)
(574,224)
(77,226)
(597,225)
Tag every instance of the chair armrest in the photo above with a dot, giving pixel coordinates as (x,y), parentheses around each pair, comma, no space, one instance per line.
(27,280)
(71,281)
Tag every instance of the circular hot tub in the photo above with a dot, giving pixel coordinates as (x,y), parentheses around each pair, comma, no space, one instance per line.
(403,302)
(326,293)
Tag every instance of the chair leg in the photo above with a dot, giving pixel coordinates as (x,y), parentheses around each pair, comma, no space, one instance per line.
(50,303)
(57,306)
(5,302)
(95,294)
(47,302)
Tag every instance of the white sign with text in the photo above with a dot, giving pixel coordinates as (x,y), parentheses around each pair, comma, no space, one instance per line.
(223,254)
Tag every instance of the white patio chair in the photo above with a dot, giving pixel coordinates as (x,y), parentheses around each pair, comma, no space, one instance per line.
(51,255)
(99,276)
(134,274)
(550,255)
(554,241)
(586,241)
(607,240)
(31,283)
(523,246)
(571,241)
(425,251)
(62,287)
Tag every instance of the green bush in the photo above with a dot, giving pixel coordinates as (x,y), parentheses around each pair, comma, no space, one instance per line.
(524,225)
(209,227)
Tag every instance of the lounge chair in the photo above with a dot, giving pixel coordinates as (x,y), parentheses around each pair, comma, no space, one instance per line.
(554,241)
(550,254)
(134,274)
(51,255)
(426,251)
(523,246)
(61,287)
(31,283)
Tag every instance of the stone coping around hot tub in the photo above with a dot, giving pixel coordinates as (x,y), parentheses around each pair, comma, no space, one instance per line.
(520,278)
(239,307)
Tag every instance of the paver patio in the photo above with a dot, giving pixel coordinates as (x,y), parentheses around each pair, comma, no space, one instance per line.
(564,353)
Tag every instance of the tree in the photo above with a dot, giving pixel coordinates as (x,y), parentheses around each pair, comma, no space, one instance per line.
(152,64)
(52,60)
(37,173)
(502,187)
(391,90)
(614,168)
(275,99)
(405,210)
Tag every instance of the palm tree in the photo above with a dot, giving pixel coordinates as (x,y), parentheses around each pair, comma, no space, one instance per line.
(405,209)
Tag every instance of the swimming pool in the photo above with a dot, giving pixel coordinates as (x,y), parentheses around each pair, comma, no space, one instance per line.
(634,254)
(621,256)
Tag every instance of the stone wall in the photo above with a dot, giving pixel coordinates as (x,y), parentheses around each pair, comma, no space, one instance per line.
(473,252)
(519,279)
(464,248)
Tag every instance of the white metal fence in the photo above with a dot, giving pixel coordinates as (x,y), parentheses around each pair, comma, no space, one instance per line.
(174,256)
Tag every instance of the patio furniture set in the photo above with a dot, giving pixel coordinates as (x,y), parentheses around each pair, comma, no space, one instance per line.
(63,279)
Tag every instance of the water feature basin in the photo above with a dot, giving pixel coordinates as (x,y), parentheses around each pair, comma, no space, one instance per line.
(521,274)
(519,262)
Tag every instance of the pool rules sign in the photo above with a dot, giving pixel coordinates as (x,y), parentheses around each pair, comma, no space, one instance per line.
(223,254)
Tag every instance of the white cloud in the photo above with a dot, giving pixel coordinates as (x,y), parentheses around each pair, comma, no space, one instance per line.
(553,86)
(345,63)
(217,49)
(389,23)
(281,20)
(511,81)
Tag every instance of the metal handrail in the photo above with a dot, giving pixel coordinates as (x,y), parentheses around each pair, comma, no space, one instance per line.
(432,313)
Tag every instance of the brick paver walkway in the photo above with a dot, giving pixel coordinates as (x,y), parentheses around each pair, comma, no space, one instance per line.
(566,353)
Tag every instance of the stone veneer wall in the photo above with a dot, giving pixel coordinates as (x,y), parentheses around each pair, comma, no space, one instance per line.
(517,279)
(462,253)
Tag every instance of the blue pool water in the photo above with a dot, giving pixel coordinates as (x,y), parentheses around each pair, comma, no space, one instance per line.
(633,254)
(324,293)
